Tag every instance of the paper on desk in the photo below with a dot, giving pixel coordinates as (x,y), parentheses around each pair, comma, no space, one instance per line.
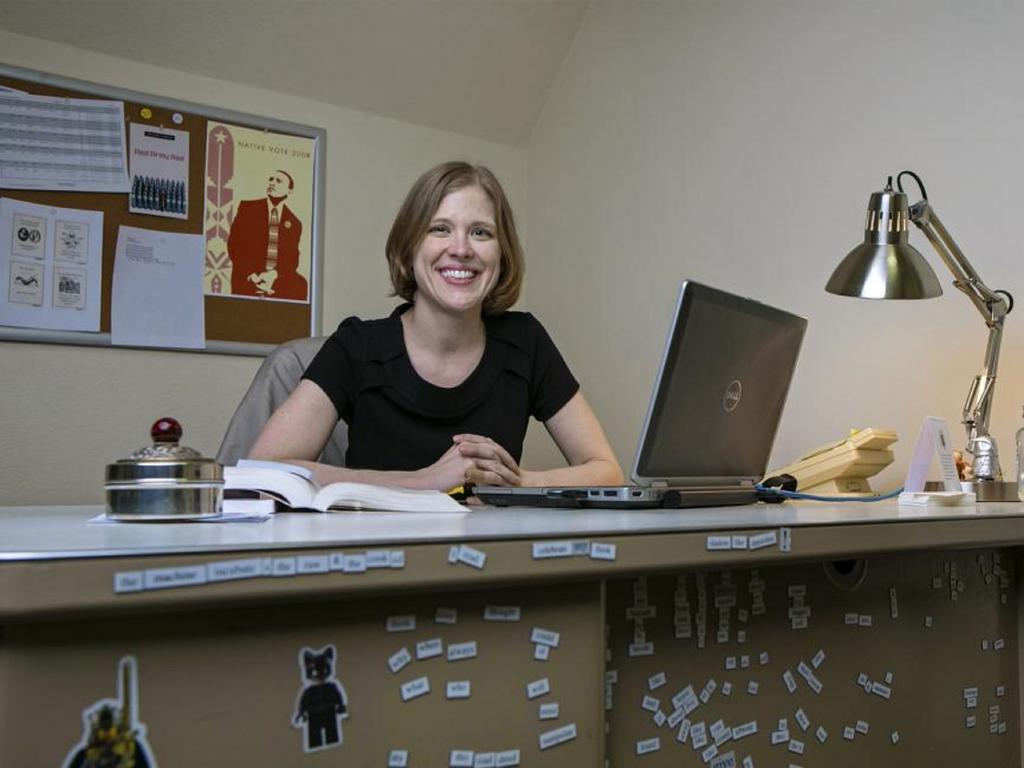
(157,296)
(243,511)
(233,511)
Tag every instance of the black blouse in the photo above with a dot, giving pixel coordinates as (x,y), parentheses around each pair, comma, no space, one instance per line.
(399,421)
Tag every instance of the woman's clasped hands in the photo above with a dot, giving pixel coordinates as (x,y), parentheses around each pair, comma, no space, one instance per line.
(474,459)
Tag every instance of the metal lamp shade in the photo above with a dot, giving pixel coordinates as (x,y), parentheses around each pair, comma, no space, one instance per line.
(885,265)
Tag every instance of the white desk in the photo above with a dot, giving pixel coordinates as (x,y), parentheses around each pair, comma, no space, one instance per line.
(59,533)
(217,668)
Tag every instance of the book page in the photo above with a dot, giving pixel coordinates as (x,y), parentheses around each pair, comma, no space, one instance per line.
(359,496)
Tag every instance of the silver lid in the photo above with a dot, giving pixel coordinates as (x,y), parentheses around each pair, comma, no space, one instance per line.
(171,451)
(165,462)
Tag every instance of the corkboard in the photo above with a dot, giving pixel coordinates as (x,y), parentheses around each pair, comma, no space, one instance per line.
(233,325)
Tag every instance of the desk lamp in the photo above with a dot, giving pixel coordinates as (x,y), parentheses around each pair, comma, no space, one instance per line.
(886,266)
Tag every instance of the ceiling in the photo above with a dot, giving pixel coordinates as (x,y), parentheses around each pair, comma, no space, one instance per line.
(477,67)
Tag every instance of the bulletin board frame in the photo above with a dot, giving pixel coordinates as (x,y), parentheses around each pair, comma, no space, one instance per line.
(231,337)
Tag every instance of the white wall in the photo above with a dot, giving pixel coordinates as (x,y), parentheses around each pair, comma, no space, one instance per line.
(732,142)
(65,412)
(737,143)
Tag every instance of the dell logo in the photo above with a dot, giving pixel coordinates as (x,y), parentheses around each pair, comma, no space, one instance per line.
(732,396)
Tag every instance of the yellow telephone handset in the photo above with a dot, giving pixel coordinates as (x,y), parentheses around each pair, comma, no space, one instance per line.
(843,467)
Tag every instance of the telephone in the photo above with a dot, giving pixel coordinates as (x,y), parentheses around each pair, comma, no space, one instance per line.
(843,467)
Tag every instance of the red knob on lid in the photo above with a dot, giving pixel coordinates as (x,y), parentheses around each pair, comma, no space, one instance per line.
(165,430)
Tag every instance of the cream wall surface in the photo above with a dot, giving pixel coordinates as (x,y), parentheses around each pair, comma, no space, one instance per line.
(737,143)
(65,412)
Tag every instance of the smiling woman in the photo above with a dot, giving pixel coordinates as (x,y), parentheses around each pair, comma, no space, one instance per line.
(440,392)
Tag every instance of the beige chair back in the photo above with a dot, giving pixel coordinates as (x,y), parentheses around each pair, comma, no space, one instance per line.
(274,381)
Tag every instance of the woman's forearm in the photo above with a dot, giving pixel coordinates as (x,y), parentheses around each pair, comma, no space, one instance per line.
(591,472)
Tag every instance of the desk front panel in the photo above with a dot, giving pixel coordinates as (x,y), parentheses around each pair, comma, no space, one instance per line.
(878,653)
(225,687)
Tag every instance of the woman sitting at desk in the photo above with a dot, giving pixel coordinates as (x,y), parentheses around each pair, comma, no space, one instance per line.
(440,392)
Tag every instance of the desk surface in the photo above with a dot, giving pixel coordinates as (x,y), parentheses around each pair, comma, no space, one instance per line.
(59,533)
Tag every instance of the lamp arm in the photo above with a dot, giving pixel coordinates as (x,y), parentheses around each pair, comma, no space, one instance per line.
(993,308)
(991,305)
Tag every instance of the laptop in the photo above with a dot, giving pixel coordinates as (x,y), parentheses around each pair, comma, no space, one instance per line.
(715,407)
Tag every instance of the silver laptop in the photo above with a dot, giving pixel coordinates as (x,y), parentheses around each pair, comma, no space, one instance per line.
(714,411)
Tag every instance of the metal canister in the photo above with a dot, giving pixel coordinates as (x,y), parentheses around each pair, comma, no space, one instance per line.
(164,481)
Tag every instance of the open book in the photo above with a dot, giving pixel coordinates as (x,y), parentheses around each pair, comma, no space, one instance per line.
(295,487)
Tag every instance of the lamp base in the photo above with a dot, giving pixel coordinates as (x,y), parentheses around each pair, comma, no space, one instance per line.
(992,490)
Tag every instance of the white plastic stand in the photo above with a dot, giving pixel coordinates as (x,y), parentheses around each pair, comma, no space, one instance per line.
(933,441)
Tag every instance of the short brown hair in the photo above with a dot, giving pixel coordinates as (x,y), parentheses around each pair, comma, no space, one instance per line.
(413,220)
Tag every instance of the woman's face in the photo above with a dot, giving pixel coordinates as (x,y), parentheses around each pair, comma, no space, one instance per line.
(459,260)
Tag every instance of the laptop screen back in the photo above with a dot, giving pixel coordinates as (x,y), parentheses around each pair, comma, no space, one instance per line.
(720,390)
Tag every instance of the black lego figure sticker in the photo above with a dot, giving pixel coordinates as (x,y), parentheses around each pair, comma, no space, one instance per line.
(322,703)
(113,736)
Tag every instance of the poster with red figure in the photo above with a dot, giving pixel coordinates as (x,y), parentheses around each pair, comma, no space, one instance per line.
(259,208)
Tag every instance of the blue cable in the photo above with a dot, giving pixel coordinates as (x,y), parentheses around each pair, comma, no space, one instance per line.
(811,497)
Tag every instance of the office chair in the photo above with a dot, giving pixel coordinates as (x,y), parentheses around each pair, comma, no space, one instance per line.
(274,381)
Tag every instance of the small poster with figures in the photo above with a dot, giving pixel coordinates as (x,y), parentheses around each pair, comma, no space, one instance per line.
(69,287)
(159,168)
(28,236)
(71,241)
